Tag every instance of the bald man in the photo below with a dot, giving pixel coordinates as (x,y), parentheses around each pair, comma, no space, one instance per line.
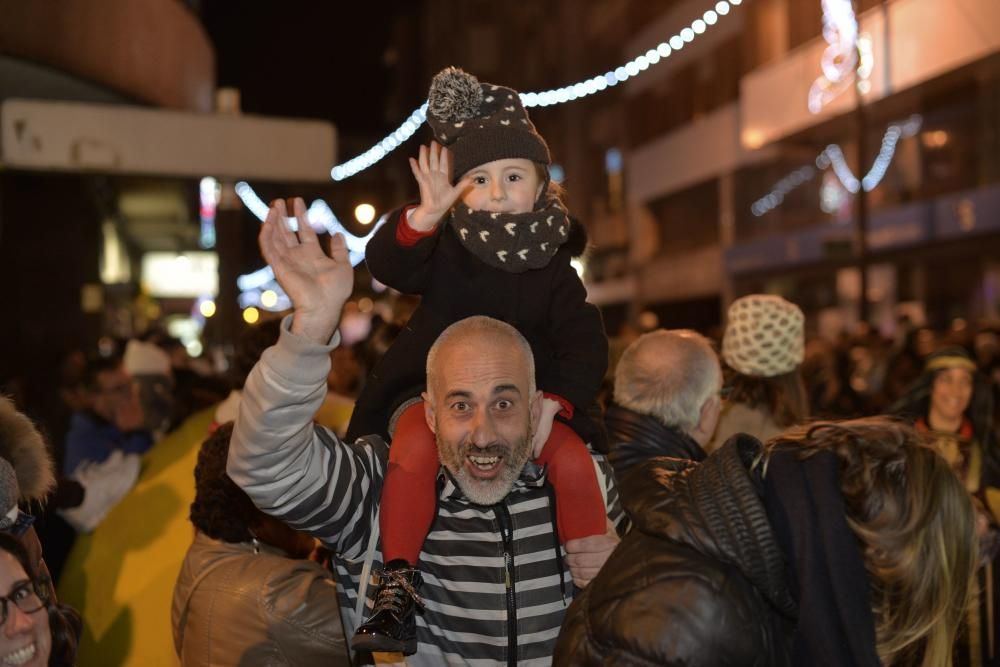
(497,580)
(666,399)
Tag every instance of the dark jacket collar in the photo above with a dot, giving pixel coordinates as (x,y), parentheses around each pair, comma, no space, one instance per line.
(714,507)
(636,437)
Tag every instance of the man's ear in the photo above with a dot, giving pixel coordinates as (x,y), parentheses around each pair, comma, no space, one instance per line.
(536,408)
(429,411)
(708,419)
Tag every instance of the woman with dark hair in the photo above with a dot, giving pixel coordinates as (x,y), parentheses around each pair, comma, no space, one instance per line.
(248,593)
(953,405)
(35,630)
(762,349)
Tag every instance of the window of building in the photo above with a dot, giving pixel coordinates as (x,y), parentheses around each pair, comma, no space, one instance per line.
(688,219)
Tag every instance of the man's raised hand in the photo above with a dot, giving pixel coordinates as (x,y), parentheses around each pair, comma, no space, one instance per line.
(432,169)
(318,285)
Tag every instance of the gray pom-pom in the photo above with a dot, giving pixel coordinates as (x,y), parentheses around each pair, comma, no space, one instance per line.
(455,95)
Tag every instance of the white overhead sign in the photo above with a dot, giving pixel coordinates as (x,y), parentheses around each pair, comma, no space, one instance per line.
(110,138)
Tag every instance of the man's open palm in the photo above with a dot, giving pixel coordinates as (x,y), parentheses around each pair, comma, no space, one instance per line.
(317,284)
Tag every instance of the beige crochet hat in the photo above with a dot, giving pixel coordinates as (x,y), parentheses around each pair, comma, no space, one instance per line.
(764,336)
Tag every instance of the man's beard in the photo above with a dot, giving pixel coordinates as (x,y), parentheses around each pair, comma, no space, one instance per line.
(486,492)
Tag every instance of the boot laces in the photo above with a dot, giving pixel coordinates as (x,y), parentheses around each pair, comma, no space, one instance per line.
(395,588)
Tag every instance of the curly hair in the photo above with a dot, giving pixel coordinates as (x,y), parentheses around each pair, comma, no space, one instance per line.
(917,528)
(249,346)
(65,624)
(221,510)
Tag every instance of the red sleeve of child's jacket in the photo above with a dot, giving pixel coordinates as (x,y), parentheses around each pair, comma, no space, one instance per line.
(406,235)
(567,407)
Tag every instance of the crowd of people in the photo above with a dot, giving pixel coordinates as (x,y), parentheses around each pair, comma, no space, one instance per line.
(503,486)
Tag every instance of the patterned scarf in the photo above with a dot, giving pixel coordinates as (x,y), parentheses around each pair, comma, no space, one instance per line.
(514,242)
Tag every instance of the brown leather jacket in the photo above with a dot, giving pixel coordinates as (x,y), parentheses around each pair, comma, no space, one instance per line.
(234,607)
(699,581)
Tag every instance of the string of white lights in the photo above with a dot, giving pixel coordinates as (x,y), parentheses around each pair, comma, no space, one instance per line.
(839,62)
(776,196)
(887,151)
(553,96)
(833,156)
(321,218)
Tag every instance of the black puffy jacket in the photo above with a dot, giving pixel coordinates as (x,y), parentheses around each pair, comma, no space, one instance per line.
(698,582)
(634,438)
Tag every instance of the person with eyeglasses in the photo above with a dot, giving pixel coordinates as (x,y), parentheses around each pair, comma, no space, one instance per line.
(113,419)
(34,631)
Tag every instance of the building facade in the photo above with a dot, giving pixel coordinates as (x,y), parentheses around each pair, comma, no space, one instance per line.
(734,185)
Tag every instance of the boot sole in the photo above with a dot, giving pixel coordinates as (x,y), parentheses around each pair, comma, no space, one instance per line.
(383,644)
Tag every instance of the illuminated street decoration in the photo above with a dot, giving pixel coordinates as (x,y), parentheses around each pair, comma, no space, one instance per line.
(776,196)
(252,285)
(322,219)
(839,62)
(833,157)
(870,181)
(553,96)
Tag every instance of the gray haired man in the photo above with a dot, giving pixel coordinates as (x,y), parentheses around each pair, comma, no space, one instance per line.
(666,399)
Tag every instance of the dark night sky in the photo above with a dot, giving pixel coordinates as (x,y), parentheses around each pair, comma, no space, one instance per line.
(306,58)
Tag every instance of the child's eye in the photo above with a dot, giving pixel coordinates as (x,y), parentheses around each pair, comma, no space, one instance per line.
(479,180)
(514,178)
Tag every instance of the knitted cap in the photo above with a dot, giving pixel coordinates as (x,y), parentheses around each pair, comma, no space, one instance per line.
(481,122)
(764,336)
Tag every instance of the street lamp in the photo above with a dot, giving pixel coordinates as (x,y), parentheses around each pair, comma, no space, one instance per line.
(364,213)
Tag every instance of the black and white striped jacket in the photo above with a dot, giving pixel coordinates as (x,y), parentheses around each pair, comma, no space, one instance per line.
(304,475)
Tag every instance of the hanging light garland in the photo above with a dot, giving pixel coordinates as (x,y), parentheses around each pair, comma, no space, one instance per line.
(839,62)
(833,157)
(322,219)
(254,285)
(553,96)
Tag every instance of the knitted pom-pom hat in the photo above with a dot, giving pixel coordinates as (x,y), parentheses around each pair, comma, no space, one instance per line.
(764,336)
(481,122)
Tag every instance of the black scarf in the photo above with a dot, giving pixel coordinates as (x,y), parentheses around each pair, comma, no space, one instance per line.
(825,567)
(513,242)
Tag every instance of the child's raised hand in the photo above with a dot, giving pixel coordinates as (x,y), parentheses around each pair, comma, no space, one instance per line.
(432,169)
